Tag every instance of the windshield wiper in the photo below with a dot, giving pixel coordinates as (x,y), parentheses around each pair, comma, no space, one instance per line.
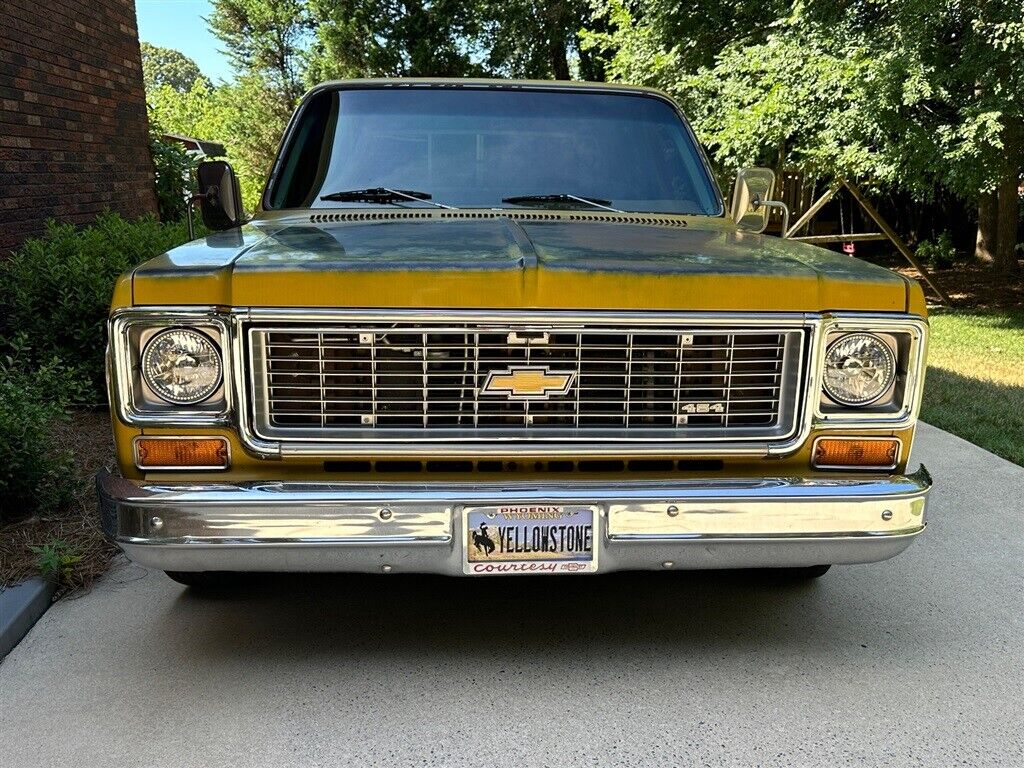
(382,195)
(596,202)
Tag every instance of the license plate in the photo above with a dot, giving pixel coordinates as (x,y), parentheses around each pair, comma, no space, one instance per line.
(530,538)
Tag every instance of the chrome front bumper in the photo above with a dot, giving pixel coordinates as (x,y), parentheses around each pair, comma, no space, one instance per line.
(714,523)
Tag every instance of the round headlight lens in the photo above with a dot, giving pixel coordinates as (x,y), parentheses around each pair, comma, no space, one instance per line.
(859,369)
(181,366)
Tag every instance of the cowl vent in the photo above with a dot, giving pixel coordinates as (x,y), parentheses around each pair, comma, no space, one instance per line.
(617,218)
(326,218)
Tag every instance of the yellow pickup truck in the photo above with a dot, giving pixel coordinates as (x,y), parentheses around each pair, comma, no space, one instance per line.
(488,327)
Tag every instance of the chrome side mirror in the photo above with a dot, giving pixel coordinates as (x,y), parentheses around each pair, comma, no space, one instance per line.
(751,200)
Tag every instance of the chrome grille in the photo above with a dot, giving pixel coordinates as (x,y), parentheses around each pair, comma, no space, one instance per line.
(369,380)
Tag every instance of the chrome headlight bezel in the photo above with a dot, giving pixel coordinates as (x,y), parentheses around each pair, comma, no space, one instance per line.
(134,400)
(898,405)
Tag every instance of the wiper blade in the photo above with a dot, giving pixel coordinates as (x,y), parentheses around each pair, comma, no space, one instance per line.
(382,195)
(596,202)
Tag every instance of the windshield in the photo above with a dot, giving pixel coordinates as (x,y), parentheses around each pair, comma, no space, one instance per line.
(476,148)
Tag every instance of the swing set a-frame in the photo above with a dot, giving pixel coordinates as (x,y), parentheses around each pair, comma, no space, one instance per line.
(886,233)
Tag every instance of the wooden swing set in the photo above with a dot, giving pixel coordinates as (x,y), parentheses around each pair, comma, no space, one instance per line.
(886,233)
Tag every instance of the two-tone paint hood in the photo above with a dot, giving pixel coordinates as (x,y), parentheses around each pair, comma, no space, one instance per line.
(432,261)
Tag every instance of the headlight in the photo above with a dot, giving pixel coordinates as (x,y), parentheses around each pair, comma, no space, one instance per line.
(859,369)
(181,366)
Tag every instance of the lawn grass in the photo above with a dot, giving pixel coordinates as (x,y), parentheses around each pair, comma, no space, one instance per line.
(975,382)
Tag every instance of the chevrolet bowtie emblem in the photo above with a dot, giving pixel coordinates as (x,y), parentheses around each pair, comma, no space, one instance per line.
(528,383)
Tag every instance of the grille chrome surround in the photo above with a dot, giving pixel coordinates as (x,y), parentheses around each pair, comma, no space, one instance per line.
(374,379)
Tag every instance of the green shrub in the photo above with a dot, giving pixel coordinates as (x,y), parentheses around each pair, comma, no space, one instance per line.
(174,169)
(938,255)
(35,472)
(57,289)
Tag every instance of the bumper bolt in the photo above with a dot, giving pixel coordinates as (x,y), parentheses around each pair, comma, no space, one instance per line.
(156,523)
(386,568)
(672,511)
(887,515)
(385,514)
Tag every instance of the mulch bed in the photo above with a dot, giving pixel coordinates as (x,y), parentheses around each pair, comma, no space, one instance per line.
(974,286)
(88,435)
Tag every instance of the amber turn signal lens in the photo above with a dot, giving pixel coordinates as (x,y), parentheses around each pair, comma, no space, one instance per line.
(854,452)
(184,452)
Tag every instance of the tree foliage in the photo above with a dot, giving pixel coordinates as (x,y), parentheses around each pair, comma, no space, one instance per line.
(266,38)
(540,40)
(384,38)
(295,41)
(246,116)
(916,95)
(280,47)
(921,96)
(166,66)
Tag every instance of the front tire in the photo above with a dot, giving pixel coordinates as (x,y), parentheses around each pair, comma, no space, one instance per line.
(803,574)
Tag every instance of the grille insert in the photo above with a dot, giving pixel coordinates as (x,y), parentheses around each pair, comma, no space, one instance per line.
(462,467)
(368,381)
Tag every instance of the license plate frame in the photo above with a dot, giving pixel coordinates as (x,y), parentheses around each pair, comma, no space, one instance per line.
(529,538)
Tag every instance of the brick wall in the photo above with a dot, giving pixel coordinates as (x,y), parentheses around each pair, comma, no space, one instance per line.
(73,129)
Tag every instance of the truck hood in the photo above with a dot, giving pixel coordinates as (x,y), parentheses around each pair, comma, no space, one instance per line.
(496,262)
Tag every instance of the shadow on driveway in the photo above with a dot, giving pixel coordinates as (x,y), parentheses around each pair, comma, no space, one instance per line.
(429,616)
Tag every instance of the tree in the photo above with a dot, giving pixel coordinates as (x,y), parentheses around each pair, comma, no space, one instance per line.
(657,41)
(988,221)
(918,95)
(254,118)
(248,117)
(195,112)
(267,43)
(540,40)
(166,66)
(267,38)
(385,38)
(996,52)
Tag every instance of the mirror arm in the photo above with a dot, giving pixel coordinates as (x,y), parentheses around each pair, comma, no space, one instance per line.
(778,205)
(193,201)
(190,205)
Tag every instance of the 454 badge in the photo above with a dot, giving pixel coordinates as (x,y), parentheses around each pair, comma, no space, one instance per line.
(530,538)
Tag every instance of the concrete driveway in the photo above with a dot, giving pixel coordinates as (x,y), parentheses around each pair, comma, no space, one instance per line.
(916,661)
